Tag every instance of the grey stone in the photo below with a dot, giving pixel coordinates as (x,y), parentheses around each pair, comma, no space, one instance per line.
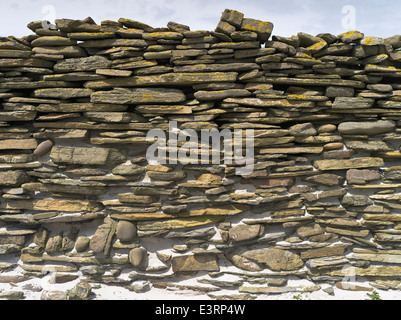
(233,17)
(356,201)
(334,92)
(197,233)
(82,244)
(138,256)
(303,130)
(62,93)
(81,291)
(368,146)
(54,244)
(139,286)
(44,148)
(394,41)
(366,128)
(138,96)
(53,295)
(82,64)
(12,295)
(327,180)
(126,231)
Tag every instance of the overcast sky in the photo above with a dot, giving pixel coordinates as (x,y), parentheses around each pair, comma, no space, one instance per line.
(380,18)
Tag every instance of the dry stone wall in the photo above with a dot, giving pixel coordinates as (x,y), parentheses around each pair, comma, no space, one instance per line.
(80,200)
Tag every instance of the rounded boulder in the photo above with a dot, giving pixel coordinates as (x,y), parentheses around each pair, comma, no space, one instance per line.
(126,231)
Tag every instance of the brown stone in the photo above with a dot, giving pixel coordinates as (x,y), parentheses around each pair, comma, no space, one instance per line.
(138,256)
(272,183)
(324,252)
(40,237)
(362,176)
(44,148)
(131,198)
(82,244)
(139,95)
(245,232)
(167,176)
(276,259)
(18,144)
(103,236)
(241,262)
(54,244)
(204,262)
(328,165)
(327,180)
(13,178)
(88,156)
(310,231)
(126,231)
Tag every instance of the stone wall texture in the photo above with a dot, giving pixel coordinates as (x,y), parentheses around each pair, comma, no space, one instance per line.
(79,200)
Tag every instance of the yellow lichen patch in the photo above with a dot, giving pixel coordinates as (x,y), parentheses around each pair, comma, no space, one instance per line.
(372,41)
(376,68)
(317,46)
(297,97)
(368,40)
(259,27)
(147,97)
(350,34)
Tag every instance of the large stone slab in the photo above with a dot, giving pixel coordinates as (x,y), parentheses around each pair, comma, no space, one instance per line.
(81,107)
(18,144)
(275,259)
(173,79)
(315,82)
(204,262)
(18,115)
(88,156)
(109,43)
(62,93)
(262,28)
(368,146)
(53,41)
(36,63)
(53,205)
(227,210)
(352,103)
(139,95)
(164,109)
(236,67)
(372,271)
(357,163)
(245,232)
(178,223)
(82,64)
(65,51)
(366,128)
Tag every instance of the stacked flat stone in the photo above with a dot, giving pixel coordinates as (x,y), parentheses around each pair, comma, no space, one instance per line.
(78,100)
